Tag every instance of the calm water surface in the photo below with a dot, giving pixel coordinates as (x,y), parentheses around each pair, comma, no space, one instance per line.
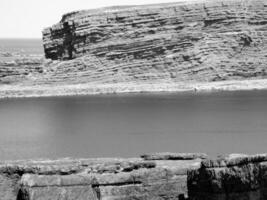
(22,46)
(129,125)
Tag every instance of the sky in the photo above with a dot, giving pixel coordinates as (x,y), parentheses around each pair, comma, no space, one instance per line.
(27,18)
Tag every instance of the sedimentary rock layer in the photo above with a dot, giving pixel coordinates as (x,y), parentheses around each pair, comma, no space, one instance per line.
(164,176)
(164,47)
(95,179)
(190,41)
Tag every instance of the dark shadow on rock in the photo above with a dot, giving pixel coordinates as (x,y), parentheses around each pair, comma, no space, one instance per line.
(22,195)
(181,197)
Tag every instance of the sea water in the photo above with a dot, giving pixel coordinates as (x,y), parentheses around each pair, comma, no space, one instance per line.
(129,125)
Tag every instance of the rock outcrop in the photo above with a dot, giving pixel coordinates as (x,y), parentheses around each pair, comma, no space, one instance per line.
(191,41)
(95,179)
(233,177)
(165,47)
(18,70)
(164,176)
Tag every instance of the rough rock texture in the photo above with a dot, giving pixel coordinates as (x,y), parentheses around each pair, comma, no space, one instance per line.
(185,46)
(94,179)
(173,156)
(233,177)
(190,41)
(18,70)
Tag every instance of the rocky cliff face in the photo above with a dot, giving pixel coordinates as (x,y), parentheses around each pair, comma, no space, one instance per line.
(190,41)
(182,46)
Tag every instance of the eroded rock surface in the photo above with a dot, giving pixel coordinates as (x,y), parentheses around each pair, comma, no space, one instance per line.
(232,177)
(183,46)
(190,41)
(96,179)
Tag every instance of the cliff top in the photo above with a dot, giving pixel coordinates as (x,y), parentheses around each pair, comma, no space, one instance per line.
(115,9)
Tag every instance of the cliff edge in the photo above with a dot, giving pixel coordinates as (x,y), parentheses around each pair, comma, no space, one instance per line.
(184,46)
(190,41)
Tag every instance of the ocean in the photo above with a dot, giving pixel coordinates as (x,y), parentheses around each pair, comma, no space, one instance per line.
(22,46)
(129,125)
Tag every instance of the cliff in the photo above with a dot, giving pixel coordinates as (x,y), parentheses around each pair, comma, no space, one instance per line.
(190,41)
(185,46)
(161,176)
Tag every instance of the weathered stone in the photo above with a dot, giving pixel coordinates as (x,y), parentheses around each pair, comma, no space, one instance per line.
(174,156)
(250,195)
(158,190)
(190,41)
(9,186)
(34,180)
(68,187)
(155,183)
(233,177)
(60,193)
(121,166)
(111,178)
(238,177)
(234,159)
(241,159)
(184,46)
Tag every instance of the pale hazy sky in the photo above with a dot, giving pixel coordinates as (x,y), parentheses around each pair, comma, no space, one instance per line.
(27,18)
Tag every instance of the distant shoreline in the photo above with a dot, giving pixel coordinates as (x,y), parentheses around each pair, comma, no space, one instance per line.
(20,91)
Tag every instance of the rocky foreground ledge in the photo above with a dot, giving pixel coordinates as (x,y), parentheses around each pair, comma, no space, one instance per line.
(161,176)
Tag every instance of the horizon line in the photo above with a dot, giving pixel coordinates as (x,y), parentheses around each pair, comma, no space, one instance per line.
(14,38)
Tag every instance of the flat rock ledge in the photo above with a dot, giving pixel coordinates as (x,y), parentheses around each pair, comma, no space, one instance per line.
(160,176)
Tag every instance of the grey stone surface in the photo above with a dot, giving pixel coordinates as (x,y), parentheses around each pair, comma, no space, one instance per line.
(178,43)
(234,177)
(174,156)
(190,41)
(60,193)
(9,186)
(111,178)
(187,46)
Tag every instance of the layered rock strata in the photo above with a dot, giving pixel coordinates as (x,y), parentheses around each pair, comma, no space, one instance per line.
(166,47)
(164,176)
(95,179)
(190,41)
(17,70)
